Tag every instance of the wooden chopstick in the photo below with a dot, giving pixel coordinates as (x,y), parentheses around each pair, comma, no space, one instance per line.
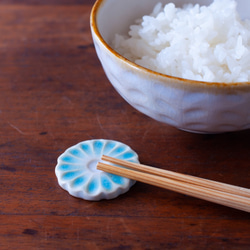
(213,195)
(181,177)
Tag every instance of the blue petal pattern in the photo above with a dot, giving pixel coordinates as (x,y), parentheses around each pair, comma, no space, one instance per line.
(67,176)
(116,179)
(117,151)
(127,155)
(80,181)
(98,146)
(93,185)
(86,148)
(69,159)
(108,147)
(68,167)
(106,182)
(74,173)
(77,152)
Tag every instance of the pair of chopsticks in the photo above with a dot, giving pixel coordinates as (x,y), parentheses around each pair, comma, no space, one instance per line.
(213,191)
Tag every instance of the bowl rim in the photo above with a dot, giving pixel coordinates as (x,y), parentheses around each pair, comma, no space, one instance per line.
(93,23)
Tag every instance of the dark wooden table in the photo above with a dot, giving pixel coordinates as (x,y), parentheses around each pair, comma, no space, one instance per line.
(54,94)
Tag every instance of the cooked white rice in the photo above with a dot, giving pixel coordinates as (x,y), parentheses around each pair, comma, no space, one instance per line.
(207,43)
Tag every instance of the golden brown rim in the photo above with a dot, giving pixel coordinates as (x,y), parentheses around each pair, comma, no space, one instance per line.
(93,22)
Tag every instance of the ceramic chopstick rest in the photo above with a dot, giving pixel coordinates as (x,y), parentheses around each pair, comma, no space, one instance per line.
(77,173)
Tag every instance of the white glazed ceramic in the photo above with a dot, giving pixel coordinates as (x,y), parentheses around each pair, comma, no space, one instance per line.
(193,106)
(76,170)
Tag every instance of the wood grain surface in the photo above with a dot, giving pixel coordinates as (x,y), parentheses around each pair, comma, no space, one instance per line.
(54,94)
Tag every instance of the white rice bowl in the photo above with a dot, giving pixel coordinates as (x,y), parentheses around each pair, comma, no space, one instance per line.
(203,43)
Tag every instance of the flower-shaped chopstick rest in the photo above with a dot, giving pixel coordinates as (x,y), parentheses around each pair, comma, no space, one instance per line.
(77,173)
